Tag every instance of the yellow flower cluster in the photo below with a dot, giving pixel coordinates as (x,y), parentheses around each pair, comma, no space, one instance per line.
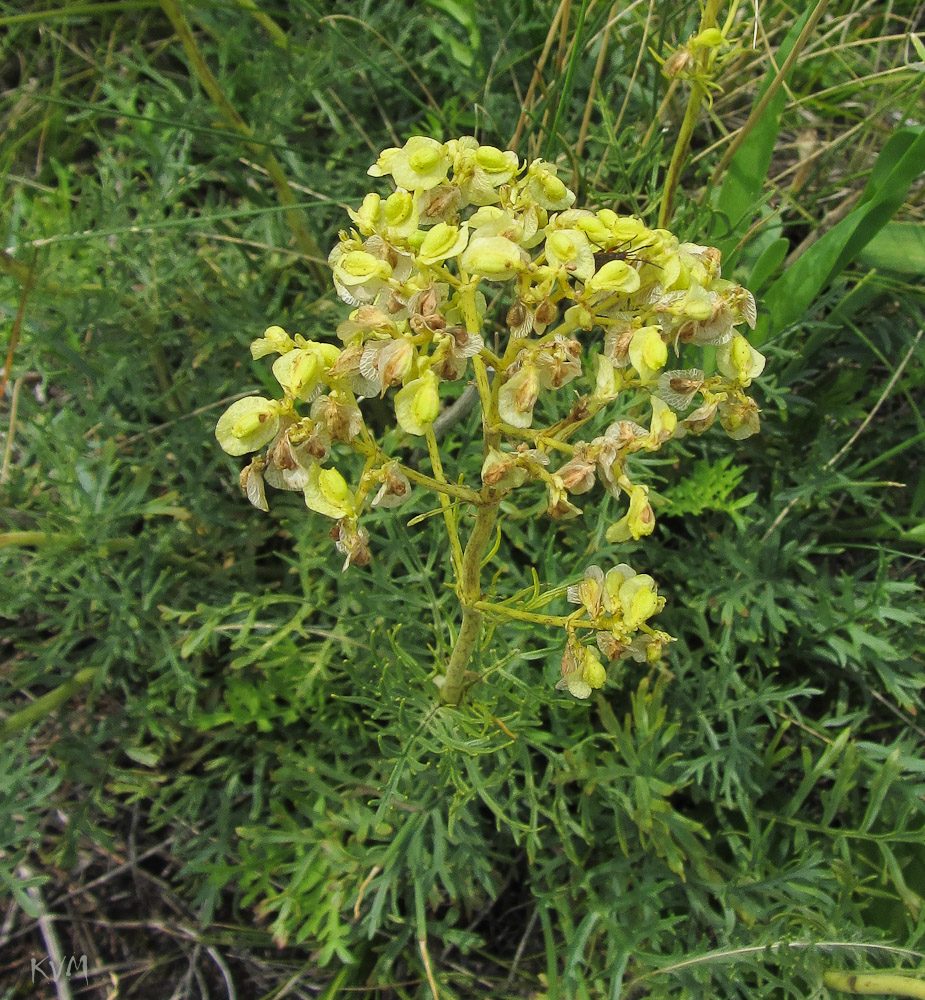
(617,604)
(480,265)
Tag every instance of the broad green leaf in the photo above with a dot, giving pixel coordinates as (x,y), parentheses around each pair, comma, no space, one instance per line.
(742,191)
(900,163)
(767,264)
(899,246)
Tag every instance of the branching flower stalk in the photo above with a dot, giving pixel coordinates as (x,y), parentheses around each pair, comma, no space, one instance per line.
(595,300)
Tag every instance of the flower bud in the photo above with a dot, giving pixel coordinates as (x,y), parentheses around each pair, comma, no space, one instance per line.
(709,38)
(275,340)
(368,215)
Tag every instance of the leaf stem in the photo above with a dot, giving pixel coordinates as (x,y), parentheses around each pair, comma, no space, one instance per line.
(449,516)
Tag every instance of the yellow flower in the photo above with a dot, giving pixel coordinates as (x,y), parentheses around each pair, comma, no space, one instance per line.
(582,670)
(739,360)
(588,593)
(421,164)
(569,250)
(443,242)
(400,214)
(247,425)
(639,520)
(327,492)
(648,352)
(300,371)
(369,214)
(664,422)
(639,600)
(358,275)
(493,257)
(418,403)
(518,396)
(614,276)
(739,418)
(546,189)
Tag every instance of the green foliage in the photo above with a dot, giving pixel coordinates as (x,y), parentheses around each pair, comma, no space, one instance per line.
(735,824)
(710,487)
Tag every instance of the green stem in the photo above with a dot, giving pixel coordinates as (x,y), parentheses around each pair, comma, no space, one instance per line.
(448,515)
(851,982)
(455,490)
(47,704)
(211,86)
(682,143)
(470,592)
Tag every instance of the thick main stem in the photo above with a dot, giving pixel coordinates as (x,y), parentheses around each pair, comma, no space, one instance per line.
(470,592)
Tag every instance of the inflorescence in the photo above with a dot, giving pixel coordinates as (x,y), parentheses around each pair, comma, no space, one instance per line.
(478,267)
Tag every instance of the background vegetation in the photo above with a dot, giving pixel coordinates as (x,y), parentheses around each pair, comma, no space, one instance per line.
(223,770)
